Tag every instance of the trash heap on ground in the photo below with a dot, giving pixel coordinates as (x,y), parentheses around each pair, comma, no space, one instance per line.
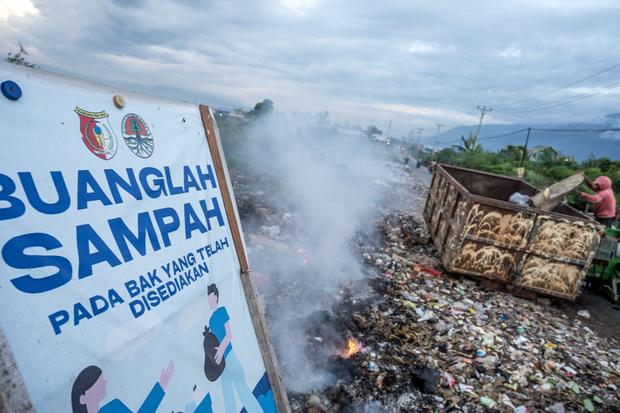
(410,338)
(471,349)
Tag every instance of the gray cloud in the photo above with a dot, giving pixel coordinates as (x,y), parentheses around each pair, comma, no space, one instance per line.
(414,62)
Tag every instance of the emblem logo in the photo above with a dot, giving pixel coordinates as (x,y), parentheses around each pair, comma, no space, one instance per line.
(137,135)
(96,133)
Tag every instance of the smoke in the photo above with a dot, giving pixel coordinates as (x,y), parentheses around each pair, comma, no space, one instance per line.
(328,179)
(325,186)
(612,121)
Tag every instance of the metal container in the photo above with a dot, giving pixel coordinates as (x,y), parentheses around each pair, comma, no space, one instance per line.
(479,233)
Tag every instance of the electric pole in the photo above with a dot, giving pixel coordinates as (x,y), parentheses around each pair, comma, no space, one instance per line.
(521,168)
(483,110)
(419,135)
(439,126)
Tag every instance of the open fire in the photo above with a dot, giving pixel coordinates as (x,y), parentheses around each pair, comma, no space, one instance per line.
(353,346)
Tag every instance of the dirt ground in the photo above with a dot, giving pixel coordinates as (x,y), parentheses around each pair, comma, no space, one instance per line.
(605,315)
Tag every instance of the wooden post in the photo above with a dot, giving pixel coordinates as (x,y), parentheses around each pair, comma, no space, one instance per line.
(14,396)
(252,299)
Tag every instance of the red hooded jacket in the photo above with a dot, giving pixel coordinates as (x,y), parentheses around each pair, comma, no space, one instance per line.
(604,201)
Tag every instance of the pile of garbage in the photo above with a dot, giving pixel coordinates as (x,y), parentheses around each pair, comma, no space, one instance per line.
(419,340)
(402,336)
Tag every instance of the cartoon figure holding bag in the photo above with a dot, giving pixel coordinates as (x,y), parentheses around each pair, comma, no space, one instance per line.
(220,359)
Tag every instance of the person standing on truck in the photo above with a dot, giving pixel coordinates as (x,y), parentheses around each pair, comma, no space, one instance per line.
(603,202)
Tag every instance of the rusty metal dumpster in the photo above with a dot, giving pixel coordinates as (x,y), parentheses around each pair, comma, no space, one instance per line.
(479,233)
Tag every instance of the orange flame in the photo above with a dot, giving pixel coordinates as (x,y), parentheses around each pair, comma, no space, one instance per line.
(353,346)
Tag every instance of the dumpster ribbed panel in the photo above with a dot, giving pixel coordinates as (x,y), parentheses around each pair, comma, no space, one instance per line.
(546,252)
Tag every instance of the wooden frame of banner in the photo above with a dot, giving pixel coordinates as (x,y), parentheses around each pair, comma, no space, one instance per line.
(14,396)
(254,303)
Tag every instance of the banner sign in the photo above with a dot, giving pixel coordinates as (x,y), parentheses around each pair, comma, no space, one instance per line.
(120,286)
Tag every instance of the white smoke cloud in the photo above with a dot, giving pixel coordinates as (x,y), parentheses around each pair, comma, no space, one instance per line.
(613,122)
(331,182)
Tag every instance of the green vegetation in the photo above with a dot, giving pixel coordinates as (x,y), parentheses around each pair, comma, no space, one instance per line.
(544,171)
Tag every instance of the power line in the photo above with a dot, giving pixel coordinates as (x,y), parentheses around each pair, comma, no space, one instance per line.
(491,137)
(562,102)
(567,85)
(486,138)
(577,130)
(565,130)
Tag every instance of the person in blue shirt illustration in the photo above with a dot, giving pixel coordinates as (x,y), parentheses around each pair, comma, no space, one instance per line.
(233,375)
(90,389)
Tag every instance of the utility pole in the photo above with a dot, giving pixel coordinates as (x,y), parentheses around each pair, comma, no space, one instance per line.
(410,137)
(439,126)
(420,134)
(521,168)
(483,110)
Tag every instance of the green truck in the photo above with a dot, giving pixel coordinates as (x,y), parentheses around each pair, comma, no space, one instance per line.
(604,273)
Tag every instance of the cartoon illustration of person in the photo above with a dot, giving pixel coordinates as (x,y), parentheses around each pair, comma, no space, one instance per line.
(90,388)
(233,375)
(201,402)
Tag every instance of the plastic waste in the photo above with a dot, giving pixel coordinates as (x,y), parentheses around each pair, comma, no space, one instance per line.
(558,408)
(588,405)
(583,313)
(450,381)
(519,199)
(487,402)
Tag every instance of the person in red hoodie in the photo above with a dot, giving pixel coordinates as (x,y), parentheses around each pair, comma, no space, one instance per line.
(603,202)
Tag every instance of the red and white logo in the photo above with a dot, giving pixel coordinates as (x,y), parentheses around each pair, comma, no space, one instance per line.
(97,133)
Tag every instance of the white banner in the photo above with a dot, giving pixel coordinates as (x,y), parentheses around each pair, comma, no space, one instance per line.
(119,281)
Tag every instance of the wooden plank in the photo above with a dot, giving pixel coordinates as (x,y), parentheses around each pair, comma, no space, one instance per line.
(264,341)
(254,304)
(556,192)
(14,396)
(207,121)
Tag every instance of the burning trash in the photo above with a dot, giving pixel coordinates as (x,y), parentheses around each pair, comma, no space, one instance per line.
(353,346)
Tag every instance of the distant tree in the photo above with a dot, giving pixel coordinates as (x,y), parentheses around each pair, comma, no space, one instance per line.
(264,108)
(322,119)
(323,116)
(372,132)
(18,59)
(468,144)
(548,158)
(512,152)
(604,164)
(446,155)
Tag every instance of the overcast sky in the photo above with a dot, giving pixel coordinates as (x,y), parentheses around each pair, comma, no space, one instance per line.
(415,62)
